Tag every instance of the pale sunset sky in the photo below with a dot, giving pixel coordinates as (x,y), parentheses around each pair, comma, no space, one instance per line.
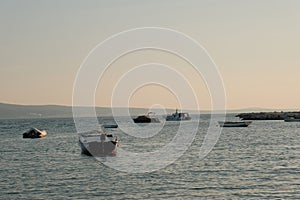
(255,45)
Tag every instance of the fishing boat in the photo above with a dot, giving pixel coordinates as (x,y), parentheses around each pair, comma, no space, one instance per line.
(292,119)
(235,124)
(149,118)
(178,116)
(35,133)
(98,143)
(110,126)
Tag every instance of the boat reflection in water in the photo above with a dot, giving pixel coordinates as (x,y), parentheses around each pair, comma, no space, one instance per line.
(97,143)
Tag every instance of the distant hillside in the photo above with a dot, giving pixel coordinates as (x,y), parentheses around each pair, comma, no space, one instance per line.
(13,111)
(8,111)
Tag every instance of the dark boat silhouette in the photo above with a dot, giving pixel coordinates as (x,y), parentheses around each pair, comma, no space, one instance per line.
(35,133)
(235,124)
(149,118)
(292,118)
(110,126)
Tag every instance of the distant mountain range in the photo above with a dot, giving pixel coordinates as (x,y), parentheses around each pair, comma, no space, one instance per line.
(14,111)
(8,111)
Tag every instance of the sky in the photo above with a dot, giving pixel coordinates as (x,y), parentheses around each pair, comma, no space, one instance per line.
(255,45)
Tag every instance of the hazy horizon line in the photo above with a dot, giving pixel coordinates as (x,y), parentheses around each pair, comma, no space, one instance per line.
(230,109)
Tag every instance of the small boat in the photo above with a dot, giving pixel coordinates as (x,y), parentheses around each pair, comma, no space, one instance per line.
(110,126)
(235,124)
(149,118)
(35,133)
(292,119)
(97,143)
(178,116)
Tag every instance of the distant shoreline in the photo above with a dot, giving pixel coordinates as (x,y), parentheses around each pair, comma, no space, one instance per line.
(268,115)
(15,111)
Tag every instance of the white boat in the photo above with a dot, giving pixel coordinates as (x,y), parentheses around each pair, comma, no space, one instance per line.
(235,124)
(178,116)
(97,143)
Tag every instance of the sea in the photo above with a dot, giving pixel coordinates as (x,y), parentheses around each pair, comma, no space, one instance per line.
(261,161)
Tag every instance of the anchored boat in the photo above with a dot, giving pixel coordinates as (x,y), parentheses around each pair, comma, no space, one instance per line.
(235,124)
(292,119)
(35,133)
(178,116)
(110,126)
(97,143)
(149,118)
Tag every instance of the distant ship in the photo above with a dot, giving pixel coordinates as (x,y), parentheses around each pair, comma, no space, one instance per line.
(178,116)
(149,118)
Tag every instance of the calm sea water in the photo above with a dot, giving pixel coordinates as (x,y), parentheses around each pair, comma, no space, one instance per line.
(258,162)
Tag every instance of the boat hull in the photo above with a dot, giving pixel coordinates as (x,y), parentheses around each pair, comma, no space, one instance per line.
(235,124)
(292,120)
(110,126)
(97,143)
(146,120)
(35,133)
(178,119)
(98,148)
